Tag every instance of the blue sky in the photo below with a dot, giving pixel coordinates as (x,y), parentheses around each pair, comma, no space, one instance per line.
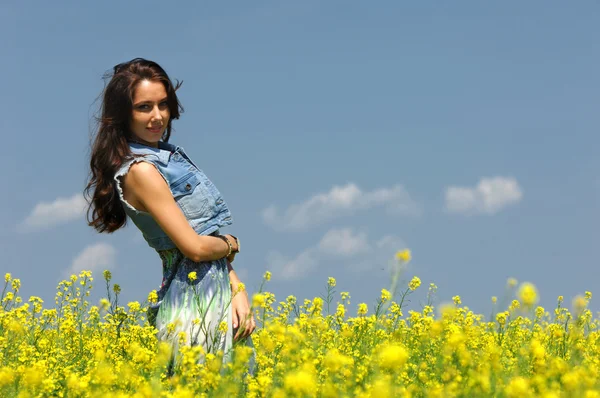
(338,132)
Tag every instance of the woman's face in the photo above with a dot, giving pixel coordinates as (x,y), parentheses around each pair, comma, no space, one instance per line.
(150,114)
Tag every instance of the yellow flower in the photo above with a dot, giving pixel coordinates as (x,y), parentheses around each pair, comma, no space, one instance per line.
(511,282)
(32,378)
(579,304)
(404,255)
(414,283)
(9,297)
(539,312)
(267,276)
(334,360)
(301,383)
(107,275)
(528,294)
(395,309)
(317,304)
(301,352)
(258,300)
(392,357)
(104,304)
(501,318)
(514,305)
(153,297)
(15,326)
(170,327)
(134,306)
(537,349)
(7,375)
(7,278)
(116,288)
(331,282)
(240,287)
(363,309)
(192,276)
(517,387)
(385,295)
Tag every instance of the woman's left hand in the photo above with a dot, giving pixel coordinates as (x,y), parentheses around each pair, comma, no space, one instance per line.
(231,257)
(242,315)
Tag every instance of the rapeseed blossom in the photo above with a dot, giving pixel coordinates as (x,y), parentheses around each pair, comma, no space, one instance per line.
(385,295)
(414,283)
(258,300)
(362,309)
(403,255)
(301,349)
(393,357)
(528,294)
(153,297)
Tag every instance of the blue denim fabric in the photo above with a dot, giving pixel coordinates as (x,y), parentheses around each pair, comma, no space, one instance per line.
(197,197)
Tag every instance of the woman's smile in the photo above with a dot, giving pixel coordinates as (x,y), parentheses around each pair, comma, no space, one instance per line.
(158,129)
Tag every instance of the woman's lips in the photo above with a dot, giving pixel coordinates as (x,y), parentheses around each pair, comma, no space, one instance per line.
(155,130)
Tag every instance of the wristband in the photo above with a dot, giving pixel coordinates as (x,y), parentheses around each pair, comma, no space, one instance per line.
(237,241)
(228,244)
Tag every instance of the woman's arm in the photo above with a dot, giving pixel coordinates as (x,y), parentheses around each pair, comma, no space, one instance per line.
(233,278)
(149,188)
(243,320)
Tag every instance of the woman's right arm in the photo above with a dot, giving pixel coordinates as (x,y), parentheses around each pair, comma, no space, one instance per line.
(148,187)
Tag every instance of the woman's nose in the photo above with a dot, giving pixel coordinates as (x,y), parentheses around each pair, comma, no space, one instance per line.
(156,113)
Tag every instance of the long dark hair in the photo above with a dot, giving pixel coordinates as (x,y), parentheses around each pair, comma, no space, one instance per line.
(110,148)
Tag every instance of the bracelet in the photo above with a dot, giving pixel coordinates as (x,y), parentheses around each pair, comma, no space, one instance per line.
(228,244)
(237,242)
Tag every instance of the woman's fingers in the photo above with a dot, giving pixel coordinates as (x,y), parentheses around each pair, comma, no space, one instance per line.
(251,325)
(242,325)
(247,326)
(235,320)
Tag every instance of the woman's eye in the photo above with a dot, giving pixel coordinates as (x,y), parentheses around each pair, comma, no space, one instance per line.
(145,107)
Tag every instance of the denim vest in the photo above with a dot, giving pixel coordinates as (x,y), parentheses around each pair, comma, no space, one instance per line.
(196,195)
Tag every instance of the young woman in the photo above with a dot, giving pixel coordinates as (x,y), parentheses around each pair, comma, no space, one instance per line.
(137,173)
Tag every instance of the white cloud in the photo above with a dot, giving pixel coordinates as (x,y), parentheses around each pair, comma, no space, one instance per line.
(344,242)
(354,247)
(489,196)
(340,201)
(291,268)
(96,257)
(48,214)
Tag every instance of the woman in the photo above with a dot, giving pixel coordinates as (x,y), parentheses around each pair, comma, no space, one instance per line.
(137,173)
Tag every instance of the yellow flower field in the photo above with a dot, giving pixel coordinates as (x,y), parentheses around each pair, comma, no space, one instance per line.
(313,348)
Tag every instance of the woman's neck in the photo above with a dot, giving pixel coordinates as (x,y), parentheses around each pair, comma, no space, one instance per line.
(143,142)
